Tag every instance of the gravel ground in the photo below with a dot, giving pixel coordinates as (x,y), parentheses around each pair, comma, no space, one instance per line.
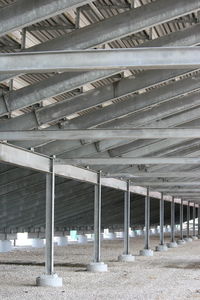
(174,274)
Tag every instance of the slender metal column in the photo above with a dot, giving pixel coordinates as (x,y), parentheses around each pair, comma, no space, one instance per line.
(126,256)
(161,220)
(172,221)
(181,220)
(97,219)
(188,220)
(126,218)
(199,221)
(50,194)
(147,219)
(97,265)
(194,217)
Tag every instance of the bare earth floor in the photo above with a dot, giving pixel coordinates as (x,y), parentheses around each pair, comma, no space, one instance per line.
(174,274)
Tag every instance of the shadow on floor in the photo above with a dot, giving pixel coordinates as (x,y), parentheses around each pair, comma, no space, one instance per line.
(184,265)
(29,263)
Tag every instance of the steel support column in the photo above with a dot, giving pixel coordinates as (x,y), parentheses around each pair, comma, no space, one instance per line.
(188,239)
(161,246)
(147,251)
(194,237)
(181,240)
(126,256)
(126,218)
(50,198)
(97,220)
(188,220)
(199,221)
(161,220)
(49,278)
(173,243)
(97,265)
(181,220)
(147,220)
(172,221)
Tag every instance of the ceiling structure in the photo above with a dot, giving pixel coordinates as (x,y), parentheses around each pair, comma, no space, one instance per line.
(99,99)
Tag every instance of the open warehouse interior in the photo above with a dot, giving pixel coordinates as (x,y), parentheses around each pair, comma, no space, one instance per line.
(99,149)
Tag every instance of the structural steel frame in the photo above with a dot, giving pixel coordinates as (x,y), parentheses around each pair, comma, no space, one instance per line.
(88,60)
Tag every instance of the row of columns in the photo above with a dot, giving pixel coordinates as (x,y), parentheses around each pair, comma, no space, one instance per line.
(49,278)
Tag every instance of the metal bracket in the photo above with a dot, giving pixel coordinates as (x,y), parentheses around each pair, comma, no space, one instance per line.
(36,117)
(6,99)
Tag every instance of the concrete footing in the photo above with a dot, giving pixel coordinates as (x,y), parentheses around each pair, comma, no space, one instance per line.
(194,237)
(161,248)
(146,252)
(49,280)
(188,239)
(5,246)
(172,245)
(126,258)
(181,242)
(97,267)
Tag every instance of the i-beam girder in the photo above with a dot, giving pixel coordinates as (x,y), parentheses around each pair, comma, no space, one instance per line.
(138,20)
(87,60)
(23,13)
(129,161)
(99,134)
(64,82)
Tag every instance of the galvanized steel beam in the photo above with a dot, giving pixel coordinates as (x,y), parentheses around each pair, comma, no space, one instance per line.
(23,13)
(87,60)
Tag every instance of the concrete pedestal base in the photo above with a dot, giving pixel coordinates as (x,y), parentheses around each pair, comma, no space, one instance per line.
(49,280)
(172,245)
(188,240)
(146,252)
(5,246)
(194,237)
(181,242)
(97,267)
(126,258)
(161,248)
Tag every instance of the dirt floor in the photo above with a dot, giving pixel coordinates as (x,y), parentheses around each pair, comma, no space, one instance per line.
(174,274)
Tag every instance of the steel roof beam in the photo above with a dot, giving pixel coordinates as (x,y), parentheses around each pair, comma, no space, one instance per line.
(89,60)
(137,19)
(164,174)
(138,119)
(28,159)
(23,13)
(167,183)
(129,161)
(99,134)
(64,82)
